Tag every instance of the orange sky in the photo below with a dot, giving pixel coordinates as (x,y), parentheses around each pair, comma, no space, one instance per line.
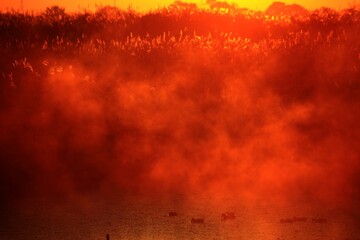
(73,5)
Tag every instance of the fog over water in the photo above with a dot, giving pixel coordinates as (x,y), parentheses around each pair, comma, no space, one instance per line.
(108,128)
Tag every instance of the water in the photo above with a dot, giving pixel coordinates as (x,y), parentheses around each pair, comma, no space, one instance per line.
(146,218)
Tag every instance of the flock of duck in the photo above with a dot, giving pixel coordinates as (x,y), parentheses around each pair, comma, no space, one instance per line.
(231,216)
(224,217)
(302,219)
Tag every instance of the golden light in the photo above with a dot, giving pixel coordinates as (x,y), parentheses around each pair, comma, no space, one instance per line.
(140,5)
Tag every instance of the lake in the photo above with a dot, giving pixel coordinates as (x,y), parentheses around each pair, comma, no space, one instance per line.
(138,217)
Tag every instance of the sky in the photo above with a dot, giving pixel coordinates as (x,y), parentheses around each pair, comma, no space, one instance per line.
(140,5)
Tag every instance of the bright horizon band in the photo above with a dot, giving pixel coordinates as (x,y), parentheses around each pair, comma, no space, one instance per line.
(139,5)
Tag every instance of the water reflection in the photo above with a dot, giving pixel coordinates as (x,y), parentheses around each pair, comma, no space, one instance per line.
(145,218)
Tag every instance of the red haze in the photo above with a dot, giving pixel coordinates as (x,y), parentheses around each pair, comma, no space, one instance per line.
(270,116)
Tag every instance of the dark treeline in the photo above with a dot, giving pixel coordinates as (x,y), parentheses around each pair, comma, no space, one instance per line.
(110,29)
(110,23)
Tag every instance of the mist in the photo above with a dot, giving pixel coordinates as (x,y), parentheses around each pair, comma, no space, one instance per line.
(261,115)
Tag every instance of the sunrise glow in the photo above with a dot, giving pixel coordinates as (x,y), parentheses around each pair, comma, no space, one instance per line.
(37,5)
(179,120)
